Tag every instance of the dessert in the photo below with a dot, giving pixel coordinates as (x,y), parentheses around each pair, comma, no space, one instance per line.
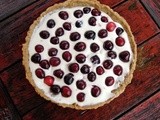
(79,54)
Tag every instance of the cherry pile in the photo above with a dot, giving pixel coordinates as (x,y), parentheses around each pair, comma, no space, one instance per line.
(80,58)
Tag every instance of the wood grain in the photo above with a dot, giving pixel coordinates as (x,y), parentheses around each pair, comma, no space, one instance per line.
(145,82)
(153,7)
(22,93)
(7,109)
(9,7)
(149,110)
(141,23)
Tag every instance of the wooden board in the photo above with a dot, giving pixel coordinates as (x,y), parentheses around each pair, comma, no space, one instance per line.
(149,110)
(153,7)
(15,90)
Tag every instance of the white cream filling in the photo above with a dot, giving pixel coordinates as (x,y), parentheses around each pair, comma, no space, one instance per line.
(100,80)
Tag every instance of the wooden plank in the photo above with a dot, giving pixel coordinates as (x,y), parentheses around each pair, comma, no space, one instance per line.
(9,7)
(111,3)
(145,82)
(153,7)
(148,110)
(7,109)
(22,93)
(13,30)
(139,20)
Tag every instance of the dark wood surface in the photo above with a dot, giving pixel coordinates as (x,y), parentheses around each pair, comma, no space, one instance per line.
(141,99)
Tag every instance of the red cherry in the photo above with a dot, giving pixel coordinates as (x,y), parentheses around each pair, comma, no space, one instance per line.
(111,26)
(109,81)
(120,41)
(39,48)
(118,70)
(67,56)
(58,73)
(49,80)
(74,67)
(54,61)
(95,91)
(40,73)
(99,70)
(81,84)
(66,91)
(80,97)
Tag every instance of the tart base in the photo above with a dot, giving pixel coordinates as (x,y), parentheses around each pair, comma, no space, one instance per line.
(115,16)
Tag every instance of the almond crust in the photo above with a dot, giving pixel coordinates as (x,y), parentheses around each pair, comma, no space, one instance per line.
(115,16)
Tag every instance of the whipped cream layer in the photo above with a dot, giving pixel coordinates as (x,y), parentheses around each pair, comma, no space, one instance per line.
(106,91)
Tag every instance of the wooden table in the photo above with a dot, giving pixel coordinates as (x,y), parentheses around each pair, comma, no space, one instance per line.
(141,99)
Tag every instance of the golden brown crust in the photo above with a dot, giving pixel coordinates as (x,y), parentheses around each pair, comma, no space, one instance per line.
(115,16)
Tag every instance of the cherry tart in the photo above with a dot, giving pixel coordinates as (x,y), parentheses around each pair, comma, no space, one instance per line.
(79,54)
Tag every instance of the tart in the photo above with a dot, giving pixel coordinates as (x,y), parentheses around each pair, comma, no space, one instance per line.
(79,54)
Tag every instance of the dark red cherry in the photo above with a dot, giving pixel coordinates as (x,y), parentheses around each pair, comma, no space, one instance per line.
(92,21)
(111,26)
(80,46)
(52,52)
(59,32)
(96,12)
(90,34)
(118,70)
(108,45)
(103,33)
(119,31)
(109,81)
(78,13)
(95,91)
(64,45)
(104,19)
(58,73)
(81,84)
(54,40)
(78,24)
(66,91)
(67,26)
(94,47)
(44,34)
(124,56)
(120,41)
(81,58)
(86,10)
(107,64)
(74,67)
(40,73)
(51,23)
(75,36)
(39,48)
(63,15)
(54,61)
(85,69)
(95,59)
(55,89)
(80,97)
(44,64)
(91,76)
(67,56)
(68,79)
(112,54)
(36,58)
(99,70)
(49,80)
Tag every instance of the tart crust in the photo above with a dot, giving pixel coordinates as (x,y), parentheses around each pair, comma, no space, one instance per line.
(115,16)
